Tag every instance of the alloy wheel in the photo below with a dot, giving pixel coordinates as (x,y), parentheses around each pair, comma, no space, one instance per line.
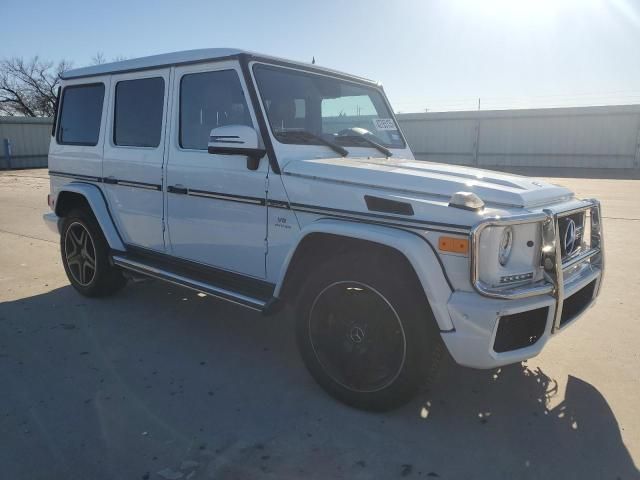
(80,253)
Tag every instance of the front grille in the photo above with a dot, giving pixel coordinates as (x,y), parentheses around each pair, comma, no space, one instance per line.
(571,244)
(520,329)
(576,303)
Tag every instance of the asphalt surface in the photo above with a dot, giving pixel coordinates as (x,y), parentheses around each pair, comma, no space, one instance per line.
(158,382)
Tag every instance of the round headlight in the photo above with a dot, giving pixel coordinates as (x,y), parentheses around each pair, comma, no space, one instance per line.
(506,242)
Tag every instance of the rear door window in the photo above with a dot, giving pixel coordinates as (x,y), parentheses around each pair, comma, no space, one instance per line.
(138,112)
(81,114)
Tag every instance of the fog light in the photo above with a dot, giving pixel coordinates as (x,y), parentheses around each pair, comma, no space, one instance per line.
(520,277)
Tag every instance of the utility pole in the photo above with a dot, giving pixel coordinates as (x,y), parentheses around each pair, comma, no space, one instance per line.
(476,143)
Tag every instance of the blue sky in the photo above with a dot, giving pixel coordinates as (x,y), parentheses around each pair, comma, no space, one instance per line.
(440,54)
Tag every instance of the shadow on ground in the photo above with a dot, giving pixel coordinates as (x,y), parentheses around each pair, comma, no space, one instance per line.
(158,382)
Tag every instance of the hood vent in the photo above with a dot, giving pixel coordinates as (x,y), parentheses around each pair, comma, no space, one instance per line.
(384,205)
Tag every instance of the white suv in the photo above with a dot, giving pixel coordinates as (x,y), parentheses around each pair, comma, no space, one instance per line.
(268,182)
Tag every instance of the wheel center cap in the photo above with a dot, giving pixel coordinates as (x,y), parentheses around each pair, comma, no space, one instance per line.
(356,335)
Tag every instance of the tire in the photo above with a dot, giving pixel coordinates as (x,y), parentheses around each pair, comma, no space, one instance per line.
(365,330)
(85,256)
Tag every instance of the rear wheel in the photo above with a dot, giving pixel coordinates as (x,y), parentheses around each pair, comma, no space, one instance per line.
(365,331)
(85,256)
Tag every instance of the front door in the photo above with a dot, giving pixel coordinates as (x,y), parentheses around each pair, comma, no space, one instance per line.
(215,206)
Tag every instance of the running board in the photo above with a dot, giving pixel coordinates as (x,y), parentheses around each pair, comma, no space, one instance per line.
(197,285)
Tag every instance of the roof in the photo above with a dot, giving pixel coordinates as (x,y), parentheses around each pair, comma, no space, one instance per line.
(187,56)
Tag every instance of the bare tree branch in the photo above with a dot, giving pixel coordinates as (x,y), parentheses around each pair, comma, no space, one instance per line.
(98,59)
(28,87)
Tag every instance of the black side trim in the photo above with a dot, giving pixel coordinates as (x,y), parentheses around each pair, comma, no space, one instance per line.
(262,124)
(76,176)
(130,183)
(347,214)
(250,286)
(377,204)
(279,204)
(318,210)
(177,190)
(226,196)
(107,180)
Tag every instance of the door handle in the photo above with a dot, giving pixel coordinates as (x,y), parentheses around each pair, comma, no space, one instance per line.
(179,189)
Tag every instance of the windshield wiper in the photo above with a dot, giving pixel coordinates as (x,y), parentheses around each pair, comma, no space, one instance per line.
(373,143)
(307,135)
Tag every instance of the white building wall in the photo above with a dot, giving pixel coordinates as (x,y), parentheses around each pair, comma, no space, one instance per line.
(586,137)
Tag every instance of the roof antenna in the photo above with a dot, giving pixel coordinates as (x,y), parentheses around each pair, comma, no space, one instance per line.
(313,61)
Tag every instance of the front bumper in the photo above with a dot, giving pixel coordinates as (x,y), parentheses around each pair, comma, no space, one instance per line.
(51,220)
(477,318)
(530,315)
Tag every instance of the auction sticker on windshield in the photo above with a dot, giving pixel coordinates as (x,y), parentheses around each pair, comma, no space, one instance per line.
(384,124)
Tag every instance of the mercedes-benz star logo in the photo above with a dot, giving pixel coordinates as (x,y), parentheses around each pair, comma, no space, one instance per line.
(356,335)
(570,237)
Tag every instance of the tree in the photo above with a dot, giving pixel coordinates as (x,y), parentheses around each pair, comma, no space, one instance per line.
(98,59)
(28,87)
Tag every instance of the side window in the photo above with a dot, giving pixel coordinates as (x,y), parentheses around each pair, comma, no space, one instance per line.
(80,115)
(209,100)
(138,112)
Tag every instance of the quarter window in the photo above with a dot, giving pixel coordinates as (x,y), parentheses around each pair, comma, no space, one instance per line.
(209,100)
(138,112)
(81,114)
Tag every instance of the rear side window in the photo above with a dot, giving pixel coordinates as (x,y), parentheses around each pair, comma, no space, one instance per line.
(209,100)
(80,115)
(138,112)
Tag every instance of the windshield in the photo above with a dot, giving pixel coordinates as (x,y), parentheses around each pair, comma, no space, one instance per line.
(335,110)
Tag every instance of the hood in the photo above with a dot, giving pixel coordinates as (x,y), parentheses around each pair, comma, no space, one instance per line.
(431,179)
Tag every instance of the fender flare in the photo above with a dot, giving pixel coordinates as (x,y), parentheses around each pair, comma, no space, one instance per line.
(95,198)
(416,249)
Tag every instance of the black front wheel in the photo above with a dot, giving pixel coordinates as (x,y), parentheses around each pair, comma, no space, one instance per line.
(365,332)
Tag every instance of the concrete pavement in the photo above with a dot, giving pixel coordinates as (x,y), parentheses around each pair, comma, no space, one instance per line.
(158,381)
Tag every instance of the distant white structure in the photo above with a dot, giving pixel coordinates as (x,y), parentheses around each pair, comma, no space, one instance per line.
(578,137)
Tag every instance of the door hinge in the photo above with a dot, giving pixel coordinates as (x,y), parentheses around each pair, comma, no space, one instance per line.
(266,246)
(266,184)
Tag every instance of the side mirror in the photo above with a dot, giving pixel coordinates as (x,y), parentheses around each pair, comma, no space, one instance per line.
(237,140)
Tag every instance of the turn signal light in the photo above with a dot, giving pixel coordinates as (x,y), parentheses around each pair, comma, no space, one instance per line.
(454,245)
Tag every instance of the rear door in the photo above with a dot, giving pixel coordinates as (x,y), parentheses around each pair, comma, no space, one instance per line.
(216,213)
(134,155)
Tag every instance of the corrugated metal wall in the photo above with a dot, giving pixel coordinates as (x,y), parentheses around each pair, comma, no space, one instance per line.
(29,139)
(586,137)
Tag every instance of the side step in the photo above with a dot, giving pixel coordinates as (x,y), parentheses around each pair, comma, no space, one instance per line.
(152,269)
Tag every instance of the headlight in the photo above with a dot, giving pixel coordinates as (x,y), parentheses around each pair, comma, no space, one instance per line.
(509,255)
(506,242)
